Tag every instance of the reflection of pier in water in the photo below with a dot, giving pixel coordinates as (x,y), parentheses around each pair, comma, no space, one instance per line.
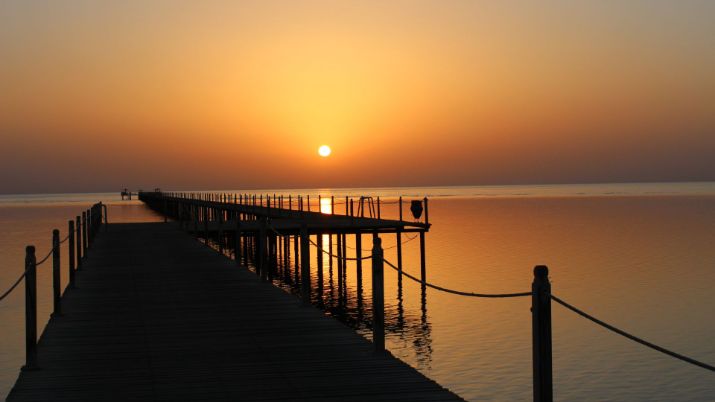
(349,301)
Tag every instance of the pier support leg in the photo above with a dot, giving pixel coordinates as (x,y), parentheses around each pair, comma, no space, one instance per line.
(305,264)
(378,296)
(237,246)
(341,265)
(423,267)
(319,263)
(358,264)
(541,334)
(261,256)
(296,259)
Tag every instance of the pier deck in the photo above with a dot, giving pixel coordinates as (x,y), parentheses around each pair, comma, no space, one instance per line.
(158,316)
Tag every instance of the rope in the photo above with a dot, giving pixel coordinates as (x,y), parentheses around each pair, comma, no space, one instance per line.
(323,250)
(37,264)
(343,257)
(409,239)
(632,337)
(17,282)
(458,292)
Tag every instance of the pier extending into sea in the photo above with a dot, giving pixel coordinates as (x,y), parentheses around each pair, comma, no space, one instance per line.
(150,313)
(170,311)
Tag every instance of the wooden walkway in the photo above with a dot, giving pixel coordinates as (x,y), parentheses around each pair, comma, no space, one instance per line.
(157,316)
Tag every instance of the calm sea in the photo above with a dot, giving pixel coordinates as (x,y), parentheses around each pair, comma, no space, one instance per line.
(639,256)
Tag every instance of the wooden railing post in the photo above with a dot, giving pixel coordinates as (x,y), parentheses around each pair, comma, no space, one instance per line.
(90,226)
(30,309)
(378,295)
(305,264)
(84,233)
(105,214)
(56,292)
(78,241)
(541,334)
(70,253)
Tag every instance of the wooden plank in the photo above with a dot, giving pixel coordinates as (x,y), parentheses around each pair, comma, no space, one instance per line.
(156,315)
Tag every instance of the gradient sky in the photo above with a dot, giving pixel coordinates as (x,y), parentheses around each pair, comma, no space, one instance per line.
(98,96)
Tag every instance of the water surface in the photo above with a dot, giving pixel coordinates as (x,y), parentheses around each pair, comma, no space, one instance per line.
(637,256)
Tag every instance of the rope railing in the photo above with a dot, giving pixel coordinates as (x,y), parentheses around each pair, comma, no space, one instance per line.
(409,239)
(22,276)
(631,336)
(14,285)
(81,234)
(322,249)
(456,292)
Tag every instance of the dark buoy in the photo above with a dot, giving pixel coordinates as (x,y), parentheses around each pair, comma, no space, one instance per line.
(416,208)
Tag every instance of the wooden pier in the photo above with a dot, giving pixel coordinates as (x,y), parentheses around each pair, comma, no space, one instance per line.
(153,314)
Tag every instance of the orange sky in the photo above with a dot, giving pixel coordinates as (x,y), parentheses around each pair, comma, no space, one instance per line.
(191,95)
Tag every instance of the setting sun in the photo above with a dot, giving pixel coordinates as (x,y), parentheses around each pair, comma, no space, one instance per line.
(324,151)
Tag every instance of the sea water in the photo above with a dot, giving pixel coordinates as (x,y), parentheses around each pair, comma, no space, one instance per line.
(639,256)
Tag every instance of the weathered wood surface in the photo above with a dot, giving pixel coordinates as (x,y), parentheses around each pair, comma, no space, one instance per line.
(157,316)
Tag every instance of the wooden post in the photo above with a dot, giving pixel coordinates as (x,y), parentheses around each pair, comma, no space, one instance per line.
(541,334)
(319,256)
(398,237)
(56,291)
(378,296)
(219,232)
(426,213)
(304,264)
(345,263)
(378,207)
(262,257)
(423,266)
(78,239)
(70,253)
(347,206)
(237,244)
(332,208)
(84,234)
(308,201)
(341,262)
(296,257)
(30,309)
(206,225)
(358,260)
(400,202)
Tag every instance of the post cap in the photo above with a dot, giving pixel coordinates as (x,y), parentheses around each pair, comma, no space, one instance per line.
(541,271)
(30,249)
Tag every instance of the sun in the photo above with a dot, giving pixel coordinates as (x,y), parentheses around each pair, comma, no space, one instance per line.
(324,151)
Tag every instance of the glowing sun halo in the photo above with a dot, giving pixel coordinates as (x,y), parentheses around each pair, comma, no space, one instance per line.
(324,151)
